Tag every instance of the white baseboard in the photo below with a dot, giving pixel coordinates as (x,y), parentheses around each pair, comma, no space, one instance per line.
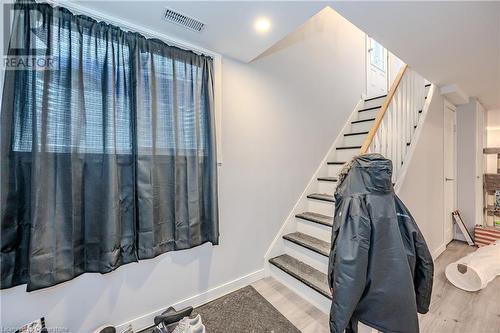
(146,320)
(437,252)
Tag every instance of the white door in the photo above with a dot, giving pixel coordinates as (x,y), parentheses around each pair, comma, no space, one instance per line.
(450,128)
(480,165)
(376,68)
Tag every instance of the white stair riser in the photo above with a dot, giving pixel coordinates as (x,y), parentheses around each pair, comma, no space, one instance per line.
(312,296)
(372,103)
(346,154)
(354,140)
(334,169)
(321,207)
(316,260)
(369,114)
(361,127)
(314,229)
(327,187)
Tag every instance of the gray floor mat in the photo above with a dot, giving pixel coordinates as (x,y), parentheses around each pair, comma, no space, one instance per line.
(242,311)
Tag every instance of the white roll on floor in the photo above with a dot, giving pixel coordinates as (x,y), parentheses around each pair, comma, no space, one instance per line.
(474,271)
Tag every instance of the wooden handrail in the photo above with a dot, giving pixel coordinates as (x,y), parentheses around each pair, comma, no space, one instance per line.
(383,109)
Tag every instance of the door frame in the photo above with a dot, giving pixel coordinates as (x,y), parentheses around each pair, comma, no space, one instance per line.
(451,106)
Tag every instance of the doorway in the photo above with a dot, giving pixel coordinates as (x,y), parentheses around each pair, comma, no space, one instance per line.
(450,139)
(376,68)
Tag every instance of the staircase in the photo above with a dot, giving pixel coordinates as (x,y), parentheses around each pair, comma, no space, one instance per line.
(298,256)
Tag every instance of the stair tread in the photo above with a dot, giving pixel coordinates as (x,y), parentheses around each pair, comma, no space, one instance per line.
(306,274)
(328,179)
(321,196)
(362,121)
(356,133)
(317,218)
(371,108)
(336,163)
(348,147)
(309,242)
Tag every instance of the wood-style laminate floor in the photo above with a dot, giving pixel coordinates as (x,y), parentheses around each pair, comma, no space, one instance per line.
(456,310)
(452,310)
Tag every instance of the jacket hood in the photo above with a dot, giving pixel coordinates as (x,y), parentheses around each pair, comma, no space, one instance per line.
(368,173)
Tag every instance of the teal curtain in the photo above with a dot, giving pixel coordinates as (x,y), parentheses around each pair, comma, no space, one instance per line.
(108,155)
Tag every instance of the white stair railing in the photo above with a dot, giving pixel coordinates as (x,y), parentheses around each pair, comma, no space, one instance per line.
(396,122)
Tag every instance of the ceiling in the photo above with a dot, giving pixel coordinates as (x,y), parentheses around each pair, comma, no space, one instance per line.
(447,42)
(229,24)
(450,43)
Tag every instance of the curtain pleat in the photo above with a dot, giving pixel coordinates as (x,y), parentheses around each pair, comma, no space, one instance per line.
(107,158)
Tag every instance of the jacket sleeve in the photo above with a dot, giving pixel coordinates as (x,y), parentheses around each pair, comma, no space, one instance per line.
(349,268)
(424,265)
(331,258)
(424,272)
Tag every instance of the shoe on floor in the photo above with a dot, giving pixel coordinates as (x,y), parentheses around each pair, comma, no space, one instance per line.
(187,323)
(160,328)
(171,315)
(199,328)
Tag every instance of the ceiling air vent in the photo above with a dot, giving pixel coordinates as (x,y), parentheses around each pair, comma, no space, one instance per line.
(183,20)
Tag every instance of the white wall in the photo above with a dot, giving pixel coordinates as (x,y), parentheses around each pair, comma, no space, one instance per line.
(422,189)
(493,119)
(395,65)
(492,138)
(470,128)
(280,114)
(493,128)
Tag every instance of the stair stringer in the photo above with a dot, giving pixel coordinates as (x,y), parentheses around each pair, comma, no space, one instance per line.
(415,139)
(277,246)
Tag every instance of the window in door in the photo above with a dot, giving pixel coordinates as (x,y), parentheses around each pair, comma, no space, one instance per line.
(377,57)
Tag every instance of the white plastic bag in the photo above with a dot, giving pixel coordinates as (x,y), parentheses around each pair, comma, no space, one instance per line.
(474,271)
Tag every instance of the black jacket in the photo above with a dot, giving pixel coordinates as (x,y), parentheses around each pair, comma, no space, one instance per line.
(380,269)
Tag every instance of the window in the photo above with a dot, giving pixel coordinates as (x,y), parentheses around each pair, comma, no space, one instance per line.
(112,153)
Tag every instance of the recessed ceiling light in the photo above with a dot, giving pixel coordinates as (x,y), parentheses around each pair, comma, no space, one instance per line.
(262,24)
